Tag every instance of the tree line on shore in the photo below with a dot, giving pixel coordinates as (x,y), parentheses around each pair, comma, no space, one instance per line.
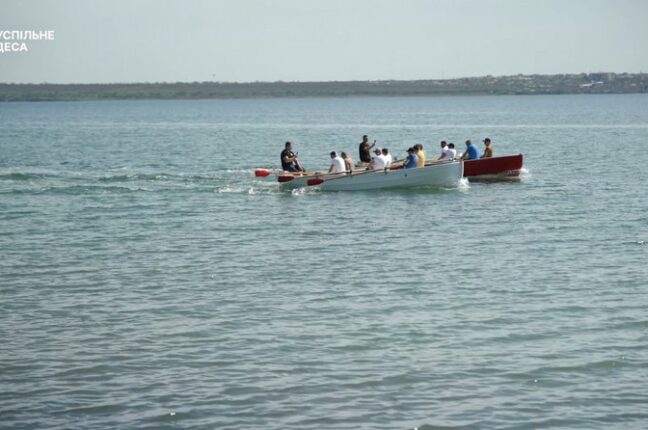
(584,83)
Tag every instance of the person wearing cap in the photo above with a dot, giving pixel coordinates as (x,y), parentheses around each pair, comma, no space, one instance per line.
(337,164)
(471,152)
(488,150)
(418,148)
(365,149)
(378,162)
(412,160)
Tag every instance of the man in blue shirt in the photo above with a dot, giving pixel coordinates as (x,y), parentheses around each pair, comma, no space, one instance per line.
(471,152)
(411,160)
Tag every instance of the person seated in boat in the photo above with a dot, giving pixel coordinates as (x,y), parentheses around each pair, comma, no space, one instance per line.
(337,164)
(420,154)
(289,161)
(412,160)
(348,162)
(365,149)
(388,157)
(471,152)
(444,150)
(378,162)
(488,150)
(452,152)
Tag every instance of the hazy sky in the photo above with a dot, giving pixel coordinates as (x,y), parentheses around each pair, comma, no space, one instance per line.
(312,40)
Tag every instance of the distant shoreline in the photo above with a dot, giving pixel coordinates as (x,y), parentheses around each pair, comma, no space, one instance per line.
(584,83)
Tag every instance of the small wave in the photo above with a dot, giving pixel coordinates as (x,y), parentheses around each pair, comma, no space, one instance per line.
(231,190)
(91,189)
(161,176)
(24,176)
(246,171)
(243,189)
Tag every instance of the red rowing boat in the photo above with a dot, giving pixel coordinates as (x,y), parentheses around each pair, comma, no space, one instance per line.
(507,165)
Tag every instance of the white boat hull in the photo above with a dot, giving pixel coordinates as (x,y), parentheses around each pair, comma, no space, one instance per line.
(302,181)
(438,175)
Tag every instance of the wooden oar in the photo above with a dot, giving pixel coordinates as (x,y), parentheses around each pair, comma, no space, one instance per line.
(261,172)
(314,181)
(287,177)
(433,162)
(317,181)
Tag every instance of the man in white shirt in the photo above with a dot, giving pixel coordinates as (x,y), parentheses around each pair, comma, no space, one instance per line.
(378,161)
(444,150)
(337,164)
(452,152)
(387,156)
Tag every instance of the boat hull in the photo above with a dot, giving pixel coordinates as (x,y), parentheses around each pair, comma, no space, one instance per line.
(438,175)
(290,181)
(505,166)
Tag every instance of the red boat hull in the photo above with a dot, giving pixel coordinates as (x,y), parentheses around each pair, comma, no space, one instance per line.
(508,165)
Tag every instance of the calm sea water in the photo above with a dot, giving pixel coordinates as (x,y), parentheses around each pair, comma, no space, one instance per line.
(147,280)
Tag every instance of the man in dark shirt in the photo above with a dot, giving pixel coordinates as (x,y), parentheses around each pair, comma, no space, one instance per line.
(365,149)
(289,161)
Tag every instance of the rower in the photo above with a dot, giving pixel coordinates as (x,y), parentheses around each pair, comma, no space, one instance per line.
(388,157)
(378,162)
(337,164)
(444,151)
(365,149)
(289,161)
(348,162)
(452,152)
(488,151)
(471,152)
(418,148)
(412,160)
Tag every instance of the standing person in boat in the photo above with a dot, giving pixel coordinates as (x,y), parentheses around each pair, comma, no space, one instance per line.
(488,150)
(471,152)
(337,164)
(412,160)
(420,154)
(365,149)
(378,162)
(388,157)
(444,150)
(289,161)
(348,162)
(452,152)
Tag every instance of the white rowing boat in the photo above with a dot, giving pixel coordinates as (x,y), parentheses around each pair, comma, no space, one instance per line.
(446,174)
(291,181)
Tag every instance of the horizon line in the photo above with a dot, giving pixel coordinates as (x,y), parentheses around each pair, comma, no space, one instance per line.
(317,82)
